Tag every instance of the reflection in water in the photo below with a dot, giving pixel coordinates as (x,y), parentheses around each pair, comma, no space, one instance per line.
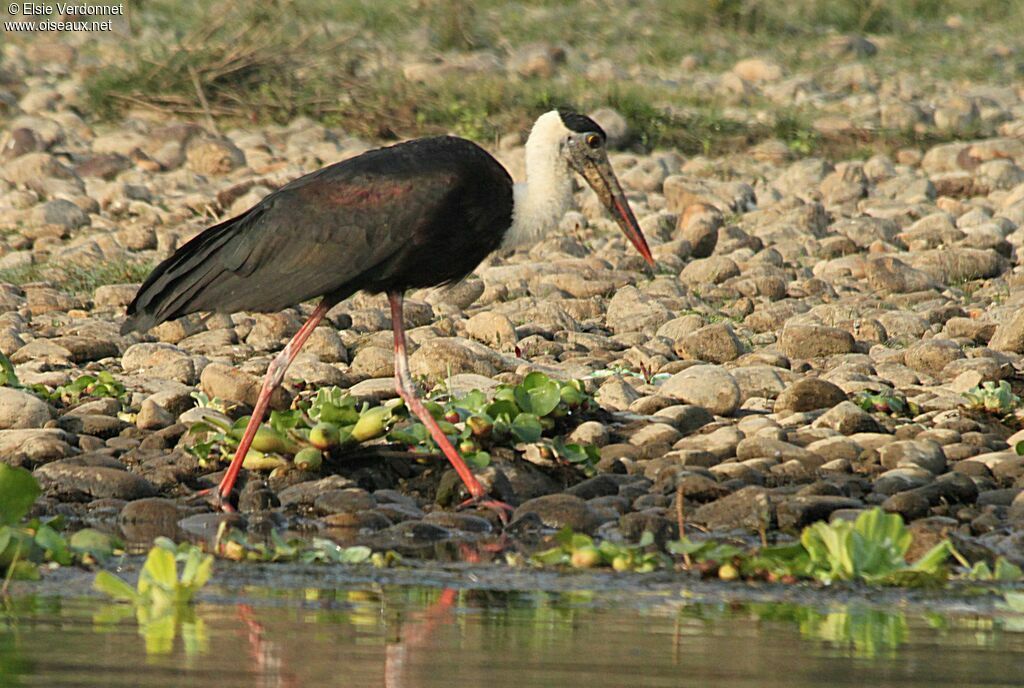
(865,631)
(405,637)
(159,630)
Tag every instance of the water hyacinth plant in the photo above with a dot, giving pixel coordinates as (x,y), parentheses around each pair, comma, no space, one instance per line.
(529,413)
(162,599)
(872,549)
(993,399)
(27,545)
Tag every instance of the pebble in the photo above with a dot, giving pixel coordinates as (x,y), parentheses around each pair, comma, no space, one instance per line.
(70,480)
(559,511)
(707,386)
(787,285)
(20,409)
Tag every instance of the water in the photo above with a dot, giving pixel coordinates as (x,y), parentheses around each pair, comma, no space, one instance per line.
(315,629)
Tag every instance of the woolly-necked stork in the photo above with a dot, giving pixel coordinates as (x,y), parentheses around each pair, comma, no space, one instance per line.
(417,214)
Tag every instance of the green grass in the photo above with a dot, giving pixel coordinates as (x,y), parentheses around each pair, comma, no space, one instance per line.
(77,279)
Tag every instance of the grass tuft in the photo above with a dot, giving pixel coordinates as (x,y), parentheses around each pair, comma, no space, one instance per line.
(77,279)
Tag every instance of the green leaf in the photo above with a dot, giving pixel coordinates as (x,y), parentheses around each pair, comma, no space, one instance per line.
(880,542)
(684,545)
(415,433)
(8,378)
(24,570)
(93,542)
(538,394)
(477,460)
(434,409)
(556,556)
(502,409)
(159,571)
(933,561)
(197,570)
(527,428)
(109,584)
(474,402)
(564,537)
(18,491)
(830,549)
(18,545)
(1007,571)
(355,555)
(53,545)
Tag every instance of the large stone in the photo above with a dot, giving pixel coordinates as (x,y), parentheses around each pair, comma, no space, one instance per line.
(800,511)
(924,454)
(1009,335)
(705,272)
(20,409)
(750,508)
(373,362)
(632,311)
(809,394)
(559,511)
(757,447)
(812,341)
(36,445)
(932,355)
(493,329)
(70,480)
(440,357)
(227,382)
(164,361)
(60,213)
(708,386)
(889,275)
(715,343)
(950,265)
(682,191)
(758,381)
(213,157)
(847,418)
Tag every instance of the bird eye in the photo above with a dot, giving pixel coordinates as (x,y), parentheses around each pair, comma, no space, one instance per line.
(593,140)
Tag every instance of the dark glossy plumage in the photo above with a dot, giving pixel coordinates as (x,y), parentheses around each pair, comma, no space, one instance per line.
(417,214)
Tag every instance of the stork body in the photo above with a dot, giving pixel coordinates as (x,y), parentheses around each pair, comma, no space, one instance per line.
(417,214)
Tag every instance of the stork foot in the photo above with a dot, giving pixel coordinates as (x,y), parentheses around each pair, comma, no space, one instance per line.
(503,510)
(214,498)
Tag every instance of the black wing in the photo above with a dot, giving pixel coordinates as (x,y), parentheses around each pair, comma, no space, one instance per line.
(354,225)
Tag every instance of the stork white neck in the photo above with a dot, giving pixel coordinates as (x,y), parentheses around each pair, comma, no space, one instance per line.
(543,198)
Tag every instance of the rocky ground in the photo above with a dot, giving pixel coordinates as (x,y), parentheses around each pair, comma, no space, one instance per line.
(787,286)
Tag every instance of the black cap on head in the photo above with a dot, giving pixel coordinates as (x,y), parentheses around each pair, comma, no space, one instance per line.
(574,121)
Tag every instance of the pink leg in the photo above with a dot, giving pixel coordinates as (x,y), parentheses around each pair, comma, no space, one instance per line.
(404,385)
(275,374)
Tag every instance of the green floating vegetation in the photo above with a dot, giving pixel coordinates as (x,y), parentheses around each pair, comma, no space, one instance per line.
(162,600)
(870,550)
(580,552)
(237,546)
(531,412)
(160,588)
(27,545)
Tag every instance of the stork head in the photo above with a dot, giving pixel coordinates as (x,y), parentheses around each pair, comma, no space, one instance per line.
(583,146)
